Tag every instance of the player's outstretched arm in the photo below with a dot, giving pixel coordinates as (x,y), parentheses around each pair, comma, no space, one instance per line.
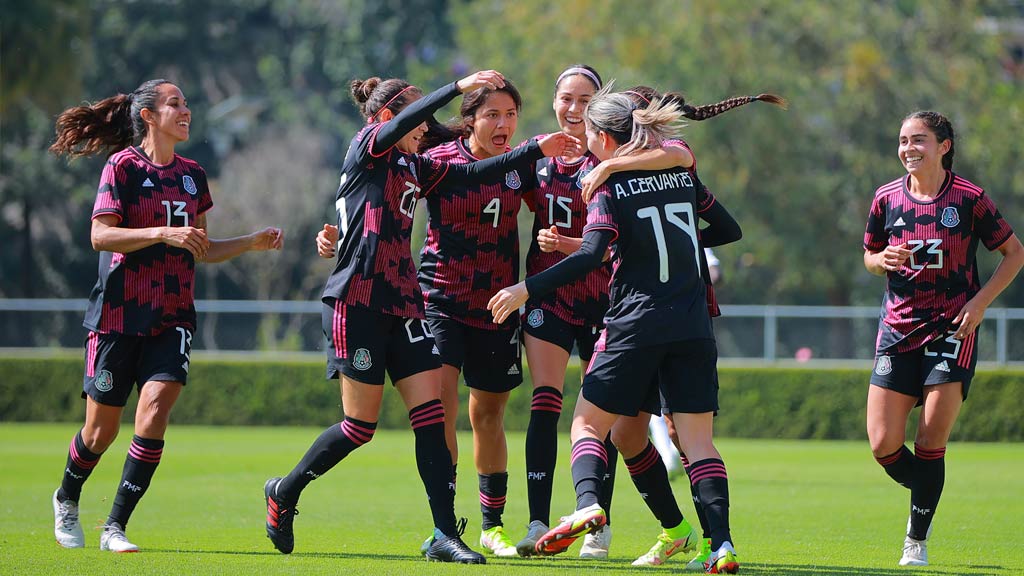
(220,250)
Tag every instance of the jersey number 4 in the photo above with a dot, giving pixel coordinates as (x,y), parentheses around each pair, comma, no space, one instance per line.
(689,227)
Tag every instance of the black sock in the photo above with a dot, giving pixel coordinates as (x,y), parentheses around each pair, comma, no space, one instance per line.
(331,447)
(493,489)
(651,479)
(608,486)
(899,466)
(712,483)
(929,477)
(701,516)
(77,470)
(589,462)
(434,463)
(542,451)
(143,458)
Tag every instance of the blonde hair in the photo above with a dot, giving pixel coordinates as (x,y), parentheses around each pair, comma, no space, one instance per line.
(632,127)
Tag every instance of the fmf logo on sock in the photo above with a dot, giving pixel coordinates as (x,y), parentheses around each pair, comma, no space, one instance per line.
(72,474)
(130,486)
(536,475)
(921,511)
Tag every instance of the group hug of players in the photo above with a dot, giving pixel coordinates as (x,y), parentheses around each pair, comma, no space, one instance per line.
(616,270)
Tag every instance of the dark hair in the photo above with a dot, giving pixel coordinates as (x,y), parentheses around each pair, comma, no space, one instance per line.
(644,95)
(374,95)
(941,127)
(438,133)
(107,126)
(580,70)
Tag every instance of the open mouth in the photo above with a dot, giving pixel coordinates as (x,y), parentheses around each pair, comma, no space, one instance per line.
(499,140)
(912,161)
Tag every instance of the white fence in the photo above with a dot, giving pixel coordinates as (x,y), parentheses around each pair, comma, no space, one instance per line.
(762,333)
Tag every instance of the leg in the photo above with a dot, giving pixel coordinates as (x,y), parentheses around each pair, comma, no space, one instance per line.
(941,407)
(490,452)
(887,414)
(547,363)
(707,472)
(450,401)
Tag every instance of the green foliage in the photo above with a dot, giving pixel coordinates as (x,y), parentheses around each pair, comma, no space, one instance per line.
(755,402)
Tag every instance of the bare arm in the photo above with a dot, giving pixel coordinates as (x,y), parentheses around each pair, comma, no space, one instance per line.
(653,159)
(107,236)
(221,250)
(973,312)
(888,260)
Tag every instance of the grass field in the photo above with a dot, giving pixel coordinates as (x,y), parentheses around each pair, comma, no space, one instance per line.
(798,507)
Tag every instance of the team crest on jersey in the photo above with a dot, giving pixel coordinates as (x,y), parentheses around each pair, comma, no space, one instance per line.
(883,365)
(512,180)
(361,359)
(581,175)
(950,217)
(535,318)
(190,185)
(104,381)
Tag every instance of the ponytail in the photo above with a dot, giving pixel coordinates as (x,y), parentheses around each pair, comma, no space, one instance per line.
(107,126)
(706,111)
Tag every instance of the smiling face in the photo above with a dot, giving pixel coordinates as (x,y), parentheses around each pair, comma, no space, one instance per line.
(494,123)
(920,150)
(571,99)
(170,118)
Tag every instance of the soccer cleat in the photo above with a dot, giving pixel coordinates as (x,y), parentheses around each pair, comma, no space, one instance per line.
(666,547)
(527,546)
(697,563)
(560,537)
(114,540)
(497,542)
(66,527)
(453,549)
(280,515)
(596,543)
(915,552)
(723,560)
(430,540)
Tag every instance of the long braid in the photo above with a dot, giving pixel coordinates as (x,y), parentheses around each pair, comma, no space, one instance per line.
(706,111)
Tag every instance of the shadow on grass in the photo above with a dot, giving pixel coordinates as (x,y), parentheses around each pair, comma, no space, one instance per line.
(619,565)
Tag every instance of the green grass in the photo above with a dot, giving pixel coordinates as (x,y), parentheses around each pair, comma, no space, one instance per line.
(798,507)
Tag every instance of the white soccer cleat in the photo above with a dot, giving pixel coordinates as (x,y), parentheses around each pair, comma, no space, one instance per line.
(596,543)
(66,527)
(114,540)
(527,546)
(915,552)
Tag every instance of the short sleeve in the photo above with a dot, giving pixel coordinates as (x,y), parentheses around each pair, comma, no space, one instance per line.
(204,197)
(989,225)
(601,213)
(113,182)
(875,236)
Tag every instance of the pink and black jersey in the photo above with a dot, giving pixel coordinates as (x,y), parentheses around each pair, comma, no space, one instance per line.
(556,200)
(145,292)
(472,245)
(375,203)
(941,275)
(657,292)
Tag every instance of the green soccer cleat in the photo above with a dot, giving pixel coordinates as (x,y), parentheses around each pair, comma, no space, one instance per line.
(696,564)
(666,547)
(495,541)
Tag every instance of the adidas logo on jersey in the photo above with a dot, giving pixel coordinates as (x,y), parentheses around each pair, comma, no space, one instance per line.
(942,366)
(899,222)
(402,162)
(543,171)
(513,371)
(148,183)
(435,351)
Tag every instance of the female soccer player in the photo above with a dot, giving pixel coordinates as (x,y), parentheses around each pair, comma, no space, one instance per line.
(373,313)
(149,226)
(922,234)
(658,332)
(471,251)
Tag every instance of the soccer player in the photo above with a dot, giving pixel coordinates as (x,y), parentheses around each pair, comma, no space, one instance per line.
(658,331)
(922,235)
(149,226)
(373,314)
(471,251)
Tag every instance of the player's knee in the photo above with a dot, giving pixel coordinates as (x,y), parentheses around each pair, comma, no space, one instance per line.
(629,441)
(98,437)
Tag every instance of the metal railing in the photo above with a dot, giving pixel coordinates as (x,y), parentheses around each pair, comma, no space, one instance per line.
(781,327)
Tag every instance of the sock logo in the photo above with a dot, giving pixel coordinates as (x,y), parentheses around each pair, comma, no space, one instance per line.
(536,475)
(130,486)
(921,511)
(72,474)
(312,474)
(643,495)
(451,486)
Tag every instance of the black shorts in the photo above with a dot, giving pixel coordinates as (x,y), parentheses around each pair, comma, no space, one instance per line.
(543,325)
(665,410)
(938,362)
(115,364)
(490,360)
(361,343)
(627,382)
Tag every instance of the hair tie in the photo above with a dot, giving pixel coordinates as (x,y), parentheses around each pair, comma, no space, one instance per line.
(638,95)
(389,102)
(578,70)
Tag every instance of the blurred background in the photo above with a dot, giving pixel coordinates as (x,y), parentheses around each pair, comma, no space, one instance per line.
(267,82)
